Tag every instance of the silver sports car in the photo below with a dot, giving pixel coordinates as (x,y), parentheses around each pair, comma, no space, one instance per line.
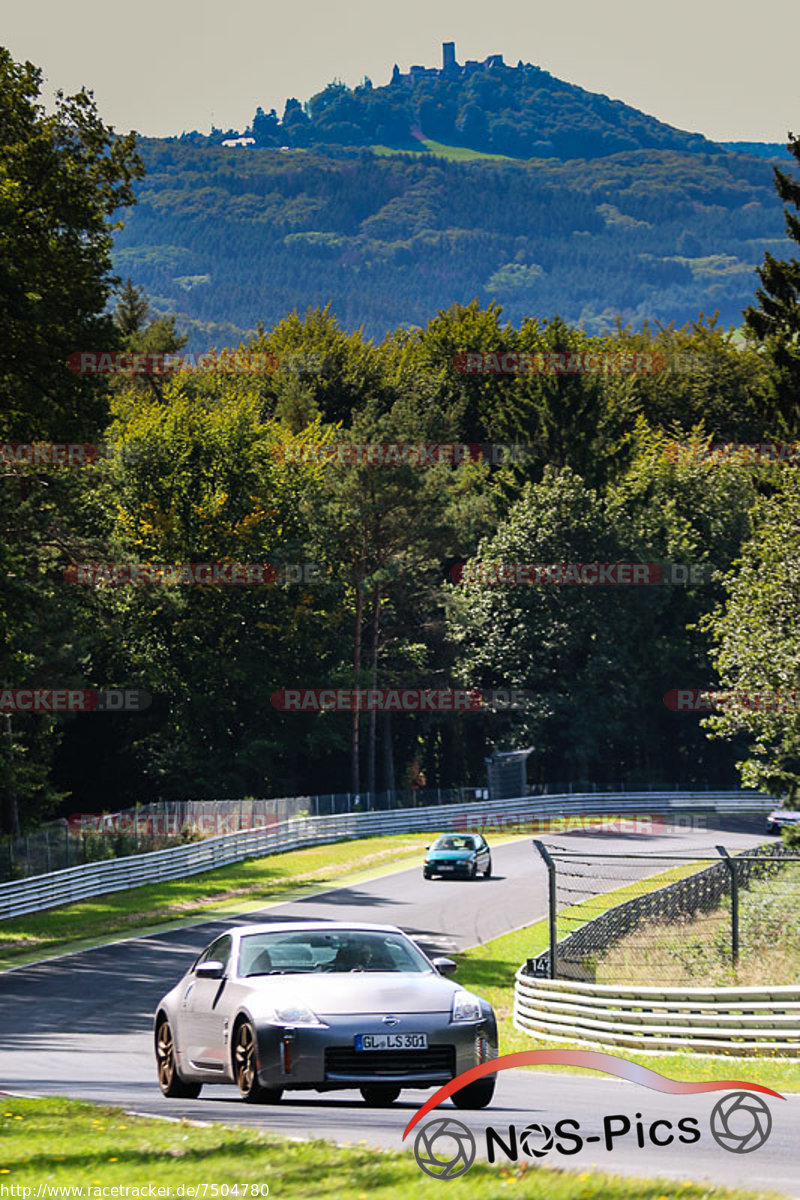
(321,1005)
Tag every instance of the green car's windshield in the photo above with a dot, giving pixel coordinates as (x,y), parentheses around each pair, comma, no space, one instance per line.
(336,952)
(454,841)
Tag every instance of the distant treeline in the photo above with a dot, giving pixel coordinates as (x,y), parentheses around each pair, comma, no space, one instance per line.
(520,111)
(225,237)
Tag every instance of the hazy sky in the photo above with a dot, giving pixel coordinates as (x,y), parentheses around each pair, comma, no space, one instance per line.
(719,67)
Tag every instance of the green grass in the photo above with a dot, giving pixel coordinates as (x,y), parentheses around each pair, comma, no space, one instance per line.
(441,150)
(240,886)
(489,970)
(64,1142)
(697,951)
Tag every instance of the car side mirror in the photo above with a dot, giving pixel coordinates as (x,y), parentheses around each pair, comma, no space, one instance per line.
(445,966)
(427,847)
(210,970)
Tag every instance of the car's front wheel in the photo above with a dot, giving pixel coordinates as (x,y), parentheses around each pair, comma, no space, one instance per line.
(379,1095)
(245,1066)
(169,1080)
(475,1095)
(487,874)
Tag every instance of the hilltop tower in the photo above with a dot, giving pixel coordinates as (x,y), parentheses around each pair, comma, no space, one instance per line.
(448,56)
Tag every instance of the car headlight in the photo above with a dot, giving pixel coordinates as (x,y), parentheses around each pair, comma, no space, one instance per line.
(466,1007)
(293,1014)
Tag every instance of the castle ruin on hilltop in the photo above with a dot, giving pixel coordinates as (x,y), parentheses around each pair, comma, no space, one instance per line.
(449,69)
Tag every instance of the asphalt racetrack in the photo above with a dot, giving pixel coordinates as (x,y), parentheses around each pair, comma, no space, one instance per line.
(81,1026)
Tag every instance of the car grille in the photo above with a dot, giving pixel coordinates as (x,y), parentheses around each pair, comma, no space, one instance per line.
(360,1064)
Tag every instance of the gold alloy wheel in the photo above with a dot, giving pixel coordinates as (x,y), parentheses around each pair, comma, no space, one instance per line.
(165,1054)
(245,1056)
(169,1079)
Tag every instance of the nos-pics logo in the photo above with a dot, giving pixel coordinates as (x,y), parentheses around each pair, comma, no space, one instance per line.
(445,1148)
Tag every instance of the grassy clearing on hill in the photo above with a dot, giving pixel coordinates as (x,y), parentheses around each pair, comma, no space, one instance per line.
(440,150)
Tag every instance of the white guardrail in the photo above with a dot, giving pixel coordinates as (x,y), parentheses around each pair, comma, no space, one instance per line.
(725,1020)
(498,816)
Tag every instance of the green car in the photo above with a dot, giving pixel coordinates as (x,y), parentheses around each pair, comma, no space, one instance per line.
(461,855)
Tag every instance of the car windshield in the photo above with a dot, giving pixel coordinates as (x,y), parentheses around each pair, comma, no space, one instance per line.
(335,951)
(454,841)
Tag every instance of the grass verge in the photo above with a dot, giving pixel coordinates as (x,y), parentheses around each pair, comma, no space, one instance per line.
(490,969)
(697,951)
(64,1142)
(241,885)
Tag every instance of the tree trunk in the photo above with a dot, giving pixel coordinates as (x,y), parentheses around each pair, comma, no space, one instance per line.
(388,757)
(373,714)
(9,809)
(355,772)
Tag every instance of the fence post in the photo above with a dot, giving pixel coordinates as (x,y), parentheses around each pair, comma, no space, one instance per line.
(551,905)
(731,865)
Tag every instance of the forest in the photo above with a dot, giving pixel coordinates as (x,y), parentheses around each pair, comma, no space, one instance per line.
(225,237)
(376,563)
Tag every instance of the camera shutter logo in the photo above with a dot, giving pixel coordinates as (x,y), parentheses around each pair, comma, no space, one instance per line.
(741,1122)
(444,1148)
(536,1140)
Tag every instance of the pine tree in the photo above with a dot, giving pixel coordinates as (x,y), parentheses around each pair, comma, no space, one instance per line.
(776,320)
(131,312)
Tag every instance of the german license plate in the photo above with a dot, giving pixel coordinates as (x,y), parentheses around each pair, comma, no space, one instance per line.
(391,1041)
(446,867)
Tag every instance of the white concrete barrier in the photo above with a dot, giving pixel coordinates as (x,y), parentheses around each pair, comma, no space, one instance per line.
(724,1020)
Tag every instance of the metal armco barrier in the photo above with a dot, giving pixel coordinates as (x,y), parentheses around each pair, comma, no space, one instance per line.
(500,816)
(725,1020)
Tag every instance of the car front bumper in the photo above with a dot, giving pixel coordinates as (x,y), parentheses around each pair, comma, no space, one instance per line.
(325,1057)
(451,867)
